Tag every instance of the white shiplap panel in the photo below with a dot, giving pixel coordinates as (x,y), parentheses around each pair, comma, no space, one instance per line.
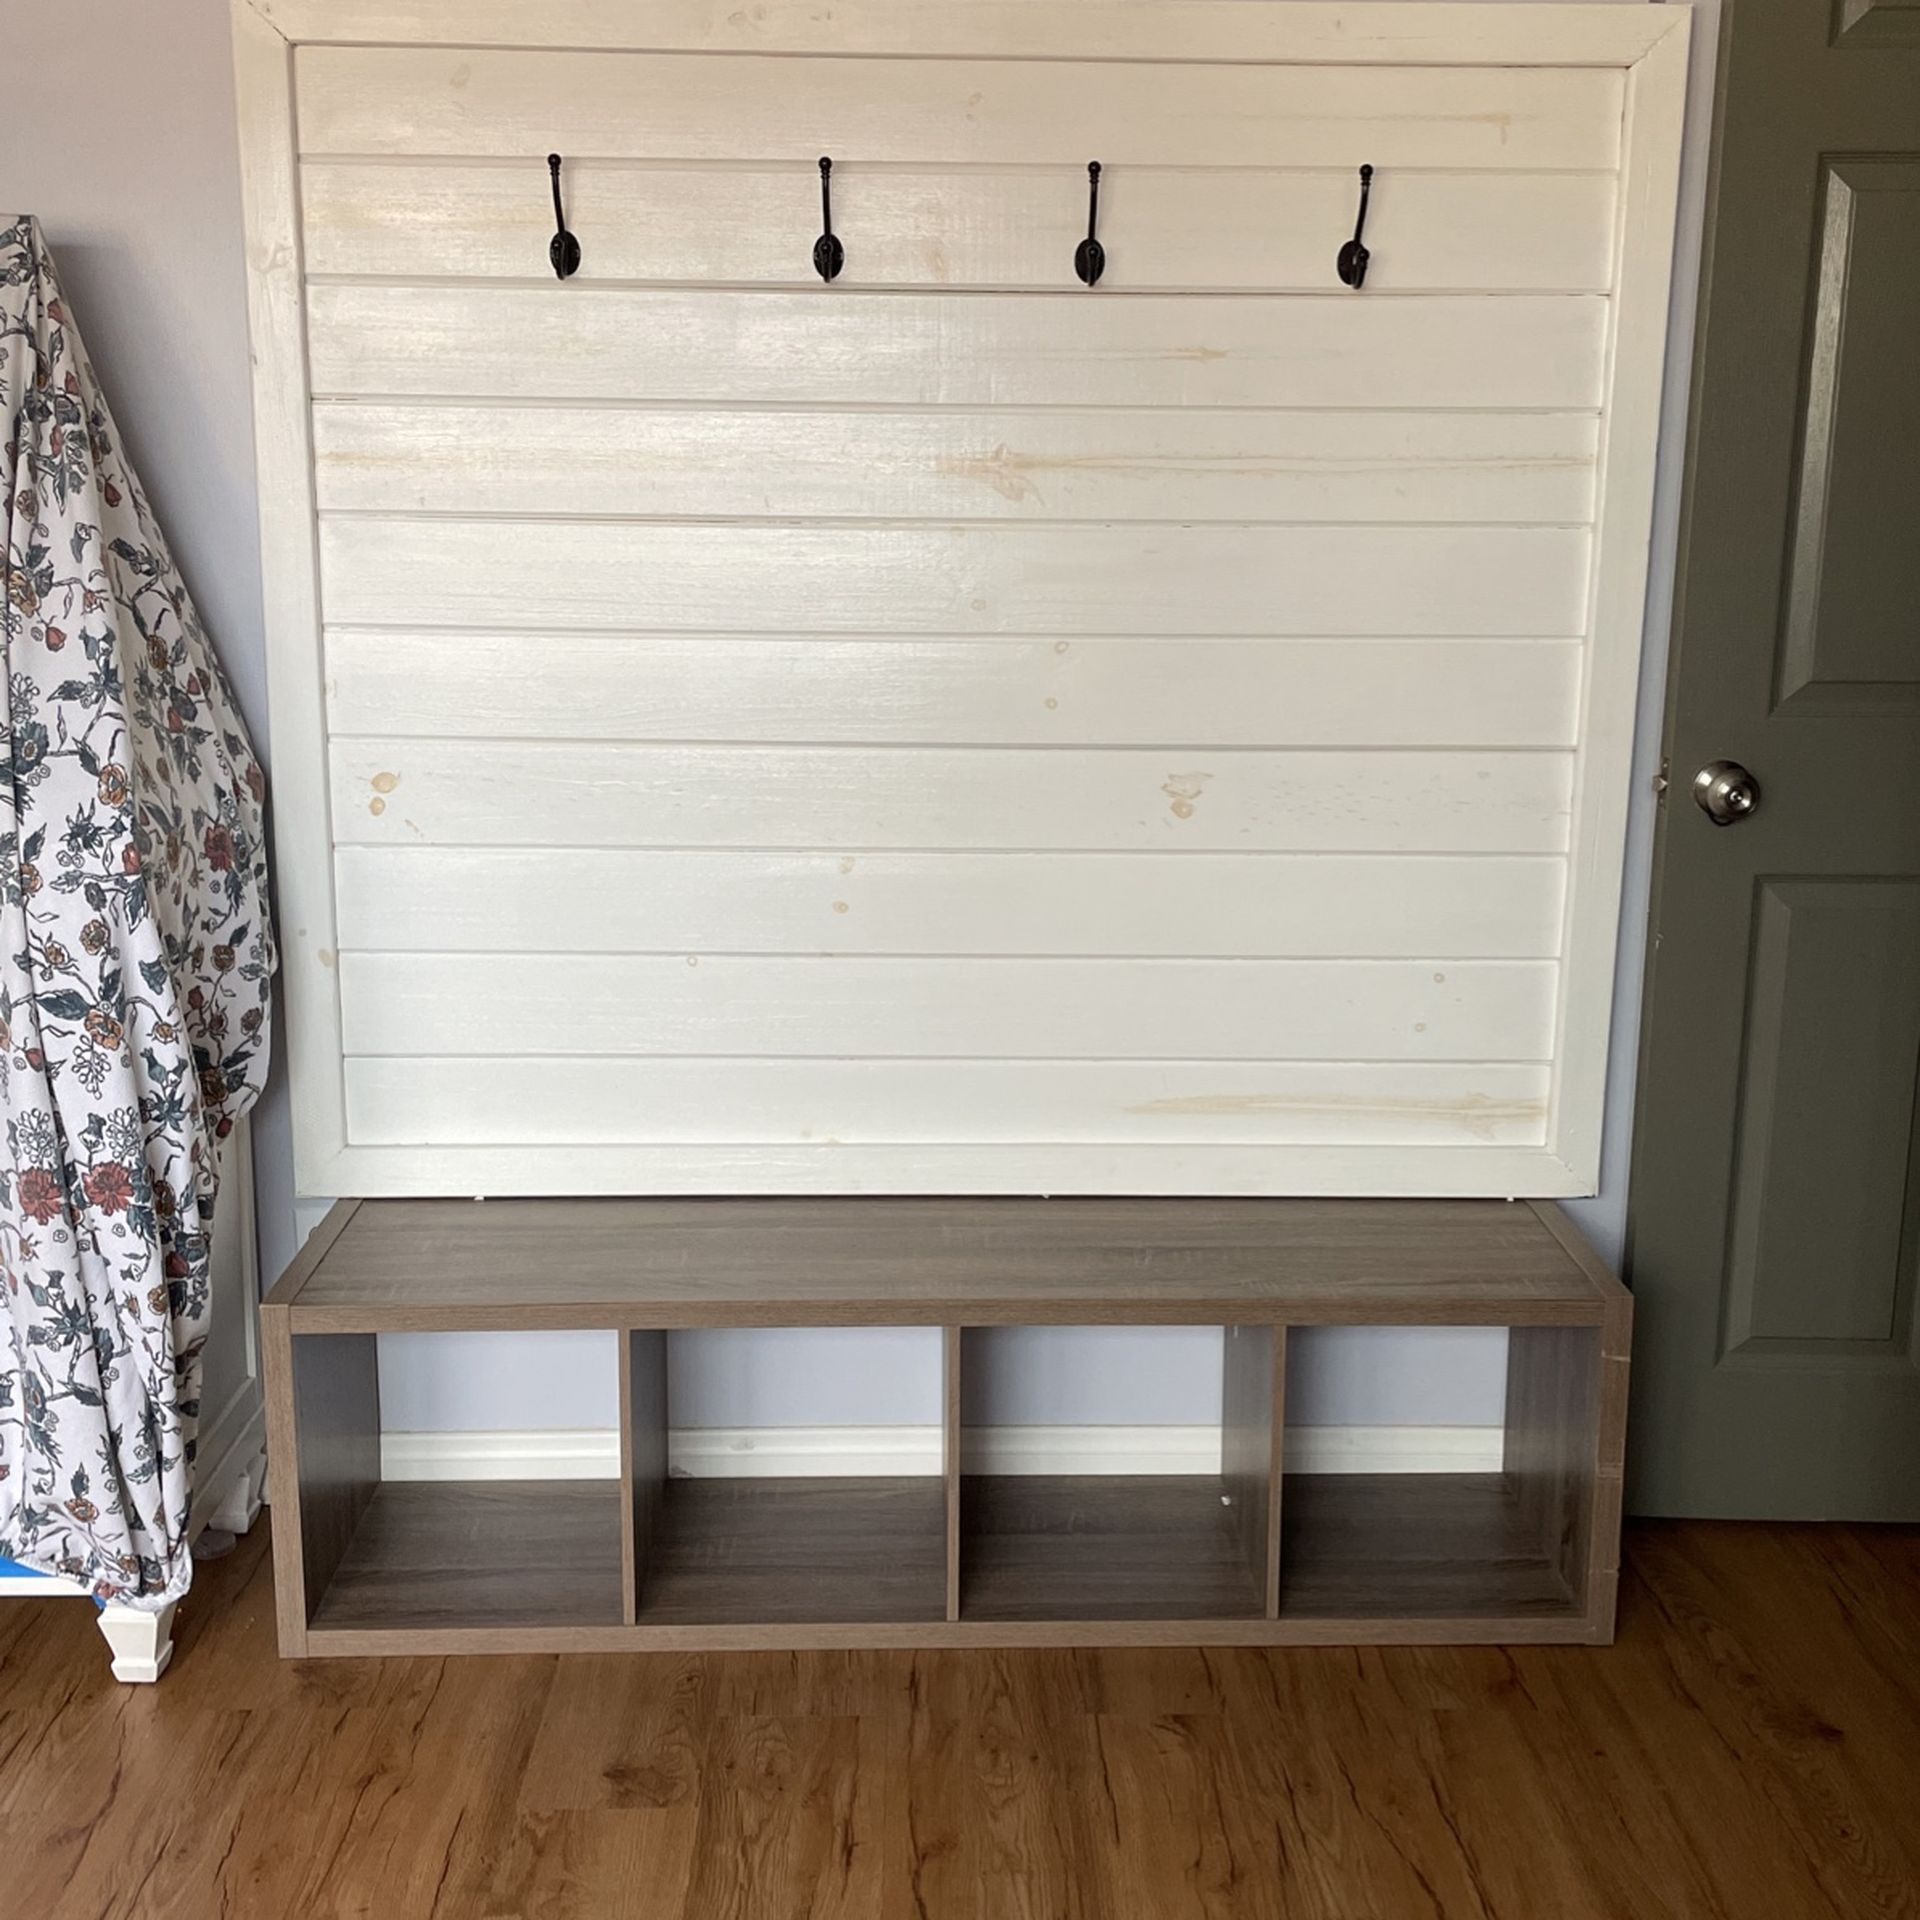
(1494,232)
(581,794)
(611,900)
(528,1102)
(607,1004)
(1528,582)
(544,789)
(1253,693)
(838,346)
(421,100)
(1104,464)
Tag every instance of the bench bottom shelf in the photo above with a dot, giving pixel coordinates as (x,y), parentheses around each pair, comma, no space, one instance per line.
(543,1556)
(796,1550)
(1102,1547)
(479,1554)
(1431,1546)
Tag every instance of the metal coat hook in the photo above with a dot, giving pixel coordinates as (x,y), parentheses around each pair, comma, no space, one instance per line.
(1352,264)
(829,256)
(563,250)
(1090,257)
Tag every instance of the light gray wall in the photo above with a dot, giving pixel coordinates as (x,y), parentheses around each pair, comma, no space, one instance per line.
(892,1376)
(1604,1217)
(118,131)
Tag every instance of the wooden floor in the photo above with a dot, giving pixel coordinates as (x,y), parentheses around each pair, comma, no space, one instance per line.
(1750,1750)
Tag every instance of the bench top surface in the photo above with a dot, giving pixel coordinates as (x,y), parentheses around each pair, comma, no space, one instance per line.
(380,1265)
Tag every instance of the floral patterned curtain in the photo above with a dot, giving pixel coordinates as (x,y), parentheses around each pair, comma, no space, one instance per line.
(135,964)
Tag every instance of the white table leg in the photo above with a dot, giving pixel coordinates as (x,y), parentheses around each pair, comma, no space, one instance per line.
(142,1641)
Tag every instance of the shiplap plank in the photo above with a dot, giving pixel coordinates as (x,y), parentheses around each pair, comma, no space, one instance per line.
(489,899)
(1110,464)
(532,1101)
(833,346)
(564,793)
(1431,1168)
(1020,578)
(1274,230)
(1310,32)
(1255,693)
(606,1004)
(474,101)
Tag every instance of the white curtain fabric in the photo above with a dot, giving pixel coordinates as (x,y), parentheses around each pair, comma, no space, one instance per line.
(135,965)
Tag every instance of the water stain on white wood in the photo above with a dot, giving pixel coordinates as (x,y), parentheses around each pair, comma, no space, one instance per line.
(1006,472)
(1182,791)
(1013,475)
(1479,1114)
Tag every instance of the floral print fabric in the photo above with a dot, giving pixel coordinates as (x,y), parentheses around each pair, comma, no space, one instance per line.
(135,964)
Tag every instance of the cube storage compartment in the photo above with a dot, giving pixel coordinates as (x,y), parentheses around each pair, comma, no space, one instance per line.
(1116,1547)
(737,1551)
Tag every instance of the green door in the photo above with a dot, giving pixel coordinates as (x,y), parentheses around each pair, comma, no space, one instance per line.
(1774,1228)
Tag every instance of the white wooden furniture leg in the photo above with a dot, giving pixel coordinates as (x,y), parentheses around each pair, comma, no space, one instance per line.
(142,1641)
(240,1505)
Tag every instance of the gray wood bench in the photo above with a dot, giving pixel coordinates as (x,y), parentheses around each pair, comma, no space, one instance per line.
(1253,1554)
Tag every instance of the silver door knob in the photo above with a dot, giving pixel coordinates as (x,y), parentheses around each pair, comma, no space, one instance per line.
(1725,792)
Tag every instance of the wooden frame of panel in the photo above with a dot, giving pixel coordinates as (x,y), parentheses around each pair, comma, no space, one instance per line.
(947,1559)
(1647,44)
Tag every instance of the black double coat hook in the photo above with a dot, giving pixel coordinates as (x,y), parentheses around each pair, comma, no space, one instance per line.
(1352,264)
(1090,257)
(563,250)
(829,256)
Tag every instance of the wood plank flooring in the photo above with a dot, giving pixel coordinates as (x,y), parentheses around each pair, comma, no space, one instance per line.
(1749,1751)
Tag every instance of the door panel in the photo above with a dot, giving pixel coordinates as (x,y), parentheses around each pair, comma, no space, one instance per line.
(1819,1186)
(1876,23)
(1854,578)
(1774,1208)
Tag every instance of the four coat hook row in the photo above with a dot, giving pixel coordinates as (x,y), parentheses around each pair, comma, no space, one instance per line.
(1089,257)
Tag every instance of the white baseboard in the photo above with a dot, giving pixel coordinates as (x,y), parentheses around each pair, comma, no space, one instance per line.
(772,1453)
(1395,1449)
(539,1453)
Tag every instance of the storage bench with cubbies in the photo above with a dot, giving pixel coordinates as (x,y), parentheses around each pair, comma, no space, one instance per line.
(1253,1553)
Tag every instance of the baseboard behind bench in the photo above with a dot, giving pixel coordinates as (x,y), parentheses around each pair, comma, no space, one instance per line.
(782,1453)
